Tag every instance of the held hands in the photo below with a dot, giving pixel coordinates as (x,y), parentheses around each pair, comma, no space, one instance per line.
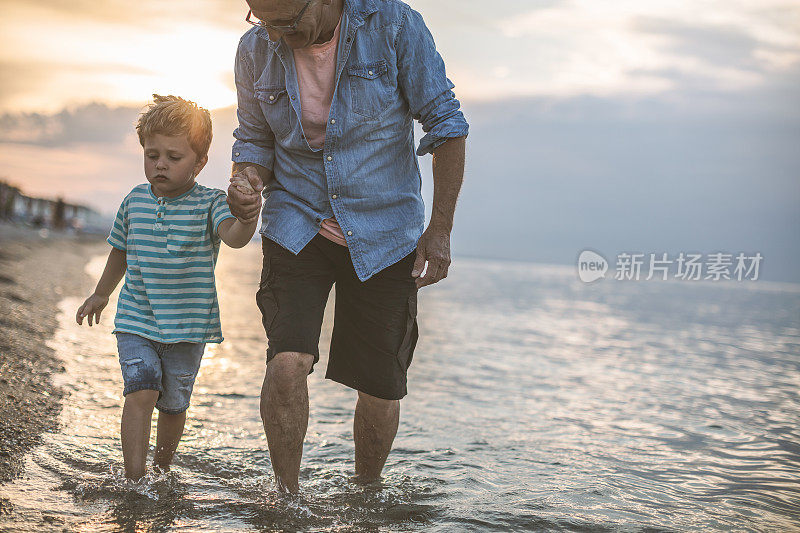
(91,308)
(433,246)
(241,183)
(244,198)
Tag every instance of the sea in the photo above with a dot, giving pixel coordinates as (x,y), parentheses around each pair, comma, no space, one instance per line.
(536,402)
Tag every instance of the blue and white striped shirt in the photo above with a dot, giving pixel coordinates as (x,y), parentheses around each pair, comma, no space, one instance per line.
(171,245)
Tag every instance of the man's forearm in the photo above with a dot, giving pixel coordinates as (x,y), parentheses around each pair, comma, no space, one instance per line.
(263,172)
(448,175)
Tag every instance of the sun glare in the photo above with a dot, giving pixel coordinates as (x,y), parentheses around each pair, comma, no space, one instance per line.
(193,62)
(123,64)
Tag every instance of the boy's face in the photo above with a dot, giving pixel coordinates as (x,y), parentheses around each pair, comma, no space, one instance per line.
(170,164)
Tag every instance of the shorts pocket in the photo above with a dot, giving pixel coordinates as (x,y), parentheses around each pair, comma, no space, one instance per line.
(406,352)
(265,297)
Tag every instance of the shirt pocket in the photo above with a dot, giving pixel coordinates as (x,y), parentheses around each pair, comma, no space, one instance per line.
(180,246)
(275,105)
(188,237)
(369,88)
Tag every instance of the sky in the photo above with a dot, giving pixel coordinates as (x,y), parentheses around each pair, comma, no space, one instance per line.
(627,125)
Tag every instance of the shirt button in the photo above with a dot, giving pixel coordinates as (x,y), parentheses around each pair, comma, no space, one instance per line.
(349,233)
(236,154)
(159,215)
(292,97)
(370,73)
(272,97)
(334,196)
(330,158)
(333,121)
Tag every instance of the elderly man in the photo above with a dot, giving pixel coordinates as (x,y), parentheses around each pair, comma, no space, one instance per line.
(327,90)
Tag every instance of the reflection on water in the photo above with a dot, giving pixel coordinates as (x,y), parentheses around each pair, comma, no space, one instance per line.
(580,407)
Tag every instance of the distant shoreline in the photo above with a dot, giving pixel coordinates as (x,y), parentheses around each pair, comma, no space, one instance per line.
(37,270)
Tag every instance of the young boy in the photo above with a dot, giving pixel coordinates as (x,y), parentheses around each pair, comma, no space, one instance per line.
(165,241)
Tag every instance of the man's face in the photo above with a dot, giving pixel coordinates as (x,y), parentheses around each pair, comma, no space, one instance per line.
(283,13)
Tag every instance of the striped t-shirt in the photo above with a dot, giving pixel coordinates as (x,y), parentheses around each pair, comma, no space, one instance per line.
(171,245)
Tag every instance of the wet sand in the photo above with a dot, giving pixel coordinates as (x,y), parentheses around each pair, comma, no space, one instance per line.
(36,272)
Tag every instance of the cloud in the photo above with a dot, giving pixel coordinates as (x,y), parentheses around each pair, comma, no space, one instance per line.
(121,52)
(92,123)
(715,46)
(140,14)
(90,154)
(81,58)
(634,47)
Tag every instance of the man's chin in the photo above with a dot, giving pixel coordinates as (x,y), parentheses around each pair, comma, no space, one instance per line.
(296,41)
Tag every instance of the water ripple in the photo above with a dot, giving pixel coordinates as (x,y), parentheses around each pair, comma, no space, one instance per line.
(536,403)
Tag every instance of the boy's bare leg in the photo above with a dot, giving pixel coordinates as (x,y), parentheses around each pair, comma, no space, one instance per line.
(374,428)
(284,411)
(170,431)
(135,431)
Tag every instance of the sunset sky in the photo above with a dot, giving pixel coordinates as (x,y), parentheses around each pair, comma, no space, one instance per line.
(556,77)
(57,53)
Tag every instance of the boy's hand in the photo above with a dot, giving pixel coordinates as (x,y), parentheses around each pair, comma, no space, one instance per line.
(91,308)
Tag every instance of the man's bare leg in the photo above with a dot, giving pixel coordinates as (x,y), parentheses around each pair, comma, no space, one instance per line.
(284,411)
(170,431)
(374,428)
(135,431)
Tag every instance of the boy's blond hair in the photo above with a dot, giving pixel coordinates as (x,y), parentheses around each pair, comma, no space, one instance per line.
(172,115)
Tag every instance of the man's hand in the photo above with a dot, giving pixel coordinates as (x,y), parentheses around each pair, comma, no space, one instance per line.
(91,308)
(434,247)
(244,206)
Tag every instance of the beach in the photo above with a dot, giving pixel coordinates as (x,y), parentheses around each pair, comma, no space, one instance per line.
(37,270)
(614,406)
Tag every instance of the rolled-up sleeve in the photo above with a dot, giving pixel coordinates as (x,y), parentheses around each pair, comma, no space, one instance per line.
(424,83)
(255,142)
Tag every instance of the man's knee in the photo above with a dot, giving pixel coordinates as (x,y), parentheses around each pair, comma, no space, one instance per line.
(286,372)
(373,403)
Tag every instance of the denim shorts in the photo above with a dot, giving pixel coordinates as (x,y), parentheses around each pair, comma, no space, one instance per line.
(169,368)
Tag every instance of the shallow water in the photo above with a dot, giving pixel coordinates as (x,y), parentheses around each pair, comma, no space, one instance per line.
(536,403)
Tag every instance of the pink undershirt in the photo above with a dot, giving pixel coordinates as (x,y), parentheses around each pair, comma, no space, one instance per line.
(316,76)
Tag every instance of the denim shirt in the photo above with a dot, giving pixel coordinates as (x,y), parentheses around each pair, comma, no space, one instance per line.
(388,72)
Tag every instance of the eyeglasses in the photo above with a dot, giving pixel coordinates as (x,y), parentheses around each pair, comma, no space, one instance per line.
(282,29)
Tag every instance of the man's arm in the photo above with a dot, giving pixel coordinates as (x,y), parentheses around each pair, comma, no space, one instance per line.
(434,244)
(254,149)
(448,175)
(428,91)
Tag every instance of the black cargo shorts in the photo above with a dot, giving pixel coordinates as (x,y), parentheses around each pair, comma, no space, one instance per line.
(375,321)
